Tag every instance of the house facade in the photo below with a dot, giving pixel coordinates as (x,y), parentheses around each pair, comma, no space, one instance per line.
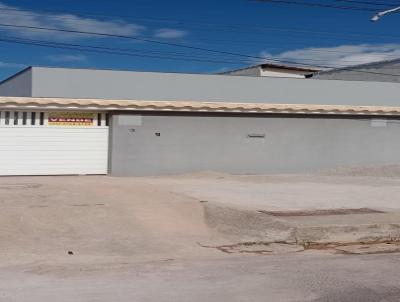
(56,121)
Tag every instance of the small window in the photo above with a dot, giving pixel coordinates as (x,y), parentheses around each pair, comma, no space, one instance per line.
(7,118)
(16,118)
(41,118)
(99,119)
(107,119)
(24,118)
(33,118)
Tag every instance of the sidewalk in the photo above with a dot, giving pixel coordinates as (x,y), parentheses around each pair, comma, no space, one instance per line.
(266,208)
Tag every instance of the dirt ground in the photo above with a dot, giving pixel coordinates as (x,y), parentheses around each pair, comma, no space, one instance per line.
(95,217)
(98,238)
(102,216)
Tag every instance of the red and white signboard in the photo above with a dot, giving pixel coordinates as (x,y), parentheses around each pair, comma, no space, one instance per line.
(77,119)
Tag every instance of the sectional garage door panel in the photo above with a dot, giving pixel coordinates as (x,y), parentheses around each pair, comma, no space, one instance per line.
(45,150)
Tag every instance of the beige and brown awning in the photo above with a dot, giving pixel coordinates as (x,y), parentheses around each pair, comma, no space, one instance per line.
(191,106)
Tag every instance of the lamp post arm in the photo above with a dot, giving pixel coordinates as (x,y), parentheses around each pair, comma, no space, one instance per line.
(381,14)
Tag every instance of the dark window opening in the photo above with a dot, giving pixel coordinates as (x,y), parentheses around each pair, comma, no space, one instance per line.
(15,118)
(33,118)
(41,118)
(99,119)
(24,117)
(7,118)
(107,119)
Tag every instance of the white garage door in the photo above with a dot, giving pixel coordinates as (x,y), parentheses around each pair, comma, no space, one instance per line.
(53,143)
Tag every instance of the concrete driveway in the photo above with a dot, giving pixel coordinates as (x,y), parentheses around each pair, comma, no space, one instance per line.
(288,192)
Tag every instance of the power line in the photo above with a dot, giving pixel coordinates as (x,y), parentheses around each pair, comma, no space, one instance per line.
(253,28)
(350,36)
(183,54)
(136,38)
(382,3)
(182,59)
(156,42)
(311,49)
(103,50)
(115,51)
(123,51)
(159,42)
(320,5)
(229,27)
(131,38)
(112,51)
(327,5)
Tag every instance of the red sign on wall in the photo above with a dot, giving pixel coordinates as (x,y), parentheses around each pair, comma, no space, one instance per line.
(70,119)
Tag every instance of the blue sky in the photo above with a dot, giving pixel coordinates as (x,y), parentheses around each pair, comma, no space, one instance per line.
(313,36)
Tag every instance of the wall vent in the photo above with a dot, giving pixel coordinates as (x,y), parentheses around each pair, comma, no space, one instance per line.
(256,135)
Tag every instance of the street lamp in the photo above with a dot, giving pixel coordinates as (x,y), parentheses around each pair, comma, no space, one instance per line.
(381,14)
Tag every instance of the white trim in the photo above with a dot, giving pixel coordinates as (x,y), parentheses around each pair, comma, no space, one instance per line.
(46,119)
(19,122)
(37,118)
(28,118)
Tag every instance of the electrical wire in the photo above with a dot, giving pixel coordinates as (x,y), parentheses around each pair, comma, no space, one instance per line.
(159,42)
(112,51)
(382,3)
(130,38)
(79,47)
(144,40)
(138,52)
(320,5)
(327,5)
(228,27)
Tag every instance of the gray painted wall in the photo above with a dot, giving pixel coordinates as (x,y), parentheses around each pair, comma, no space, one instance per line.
(380,72)
(291,144)
(81,83)
(357,76)
(20,85)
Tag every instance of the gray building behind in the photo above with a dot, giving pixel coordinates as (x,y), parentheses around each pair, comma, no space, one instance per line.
(383,71)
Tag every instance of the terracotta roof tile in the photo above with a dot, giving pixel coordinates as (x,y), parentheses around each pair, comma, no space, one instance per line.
(192,106)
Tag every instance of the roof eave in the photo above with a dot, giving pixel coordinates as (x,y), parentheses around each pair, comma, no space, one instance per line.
(30,103)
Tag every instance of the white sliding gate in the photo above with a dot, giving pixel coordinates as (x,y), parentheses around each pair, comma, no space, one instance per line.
(53,143)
